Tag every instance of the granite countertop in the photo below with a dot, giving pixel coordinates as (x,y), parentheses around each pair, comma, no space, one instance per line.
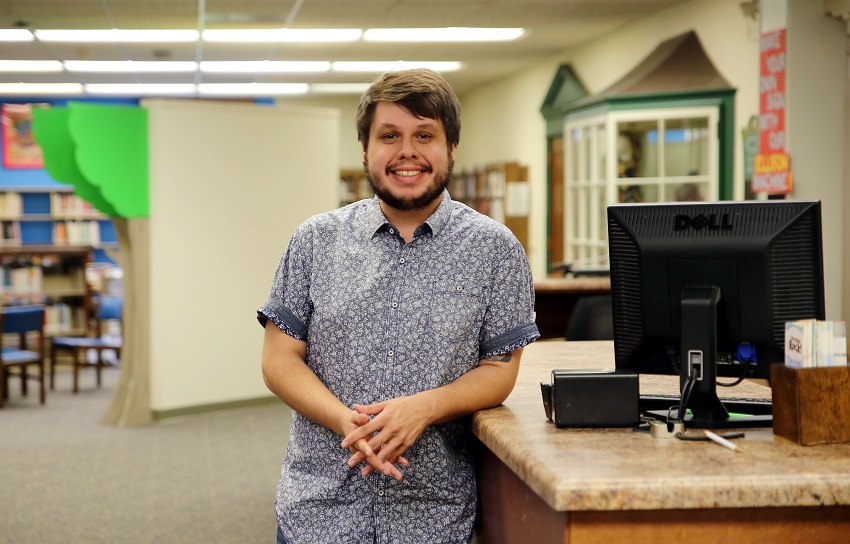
(624,469)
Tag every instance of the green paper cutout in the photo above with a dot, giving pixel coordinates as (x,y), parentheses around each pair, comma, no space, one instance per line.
(112,153)
(101,150)
(50,128)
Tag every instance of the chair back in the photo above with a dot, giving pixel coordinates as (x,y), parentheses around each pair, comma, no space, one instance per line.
(18,319)
(591,319)
(110,307)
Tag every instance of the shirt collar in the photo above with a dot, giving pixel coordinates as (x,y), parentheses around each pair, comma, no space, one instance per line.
(377,221)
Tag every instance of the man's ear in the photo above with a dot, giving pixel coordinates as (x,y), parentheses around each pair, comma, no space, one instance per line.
(452,151)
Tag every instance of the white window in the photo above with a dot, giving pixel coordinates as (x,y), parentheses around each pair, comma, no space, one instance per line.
(653,155)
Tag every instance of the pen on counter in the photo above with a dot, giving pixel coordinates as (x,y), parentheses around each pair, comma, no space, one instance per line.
(722,441)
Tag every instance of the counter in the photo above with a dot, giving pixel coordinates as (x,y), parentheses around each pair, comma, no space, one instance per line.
(541,484)
(555,298)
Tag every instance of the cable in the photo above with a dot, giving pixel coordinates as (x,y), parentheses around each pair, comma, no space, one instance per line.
(686,395)
(746,366)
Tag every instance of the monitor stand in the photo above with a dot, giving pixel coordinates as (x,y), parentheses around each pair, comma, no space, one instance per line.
(699,357)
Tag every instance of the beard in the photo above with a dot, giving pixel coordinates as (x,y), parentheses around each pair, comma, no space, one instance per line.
(432,192)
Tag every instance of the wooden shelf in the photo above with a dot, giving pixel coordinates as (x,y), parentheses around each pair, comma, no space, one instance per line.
(53,275)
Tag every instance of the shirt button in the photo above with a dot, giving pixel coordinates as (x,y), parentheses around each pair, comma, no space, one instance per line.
(395,304)
(401,260)
(392,231)
(380,493)
(390,353)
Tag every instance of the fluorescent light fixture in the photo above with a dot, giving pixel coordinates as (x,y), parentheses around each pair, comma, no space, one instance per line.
(117,35)
(282,35)
(252,89)
(15,35)
(339,88)
(41,88)
(263,66)
(386,66)
(30,66)
(141,89)
(130,66)
(449,34)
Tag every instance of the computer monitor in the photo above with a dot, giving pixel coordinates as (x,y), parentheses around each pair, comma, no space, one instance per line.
(704,290)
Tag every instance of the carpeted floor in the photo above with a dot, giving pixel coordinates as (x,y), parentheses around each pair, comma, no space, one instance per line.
(66,478)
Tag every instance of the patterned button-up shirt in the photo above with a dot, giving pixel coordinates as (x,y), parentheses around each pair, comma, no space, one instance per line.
(383,318)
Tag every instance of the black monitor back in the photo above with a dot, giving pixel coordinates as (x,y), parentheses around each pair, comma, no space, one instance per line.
(764,256)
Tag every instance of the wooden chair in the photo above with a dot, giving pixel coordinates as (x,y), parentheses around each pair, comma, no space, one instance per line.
(109,308)
(15,361)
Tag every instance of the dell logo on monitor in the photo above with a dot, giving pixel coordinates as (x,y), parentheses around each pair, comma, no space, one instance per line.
(712,222)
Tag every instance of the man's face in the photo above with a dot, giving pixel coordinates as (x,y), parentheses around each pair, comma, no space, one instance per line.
(408,161)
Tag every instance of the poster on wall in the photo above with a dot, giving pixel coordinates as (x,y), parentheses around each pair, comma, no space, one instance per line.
(772,167)
(20,149)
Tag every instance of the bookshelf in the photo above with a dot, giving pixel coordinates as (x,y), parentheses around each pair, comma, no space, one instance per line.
(353,186)
(50,240)
(51,275)
(500,190)
(54,217)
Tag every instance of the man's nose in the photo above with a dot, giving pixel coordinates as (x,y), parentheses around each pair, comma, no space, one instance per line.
(408,148)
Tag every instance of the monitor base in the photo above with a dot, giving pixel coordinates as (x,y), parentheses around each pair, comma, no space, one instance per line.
(732,422)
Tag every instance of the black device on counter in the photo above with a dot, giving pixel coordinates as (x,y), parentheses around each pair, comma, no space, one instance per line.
(592,398)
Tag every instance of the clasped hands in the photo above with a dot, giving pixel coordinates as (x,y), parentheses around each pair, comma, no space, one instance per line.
(382,439)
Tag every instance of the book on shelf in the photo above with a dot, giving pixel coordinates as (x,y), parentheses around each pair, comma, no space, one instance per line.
(70,205)
(11,233)
(22,285)
(76,233)
(61,318)
(11,205)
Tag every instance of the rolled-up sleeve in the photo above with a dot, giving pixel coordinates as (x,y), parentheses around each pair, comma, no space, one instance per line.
(509,320)
(289,306)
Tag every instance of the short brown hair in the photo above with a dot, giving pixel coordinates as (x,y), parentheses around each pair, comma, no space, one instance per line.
(424,93)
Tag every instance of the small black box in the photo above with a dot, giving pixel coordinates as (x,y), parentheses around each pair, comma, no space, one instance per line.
(592,398)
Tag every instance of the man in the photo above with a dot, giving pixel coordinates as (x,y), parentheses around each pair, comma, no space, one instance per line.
(392,320)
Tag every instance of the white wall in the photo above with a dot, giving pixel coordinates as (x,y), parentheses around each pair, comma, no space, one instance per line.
(350,152)
(229,183)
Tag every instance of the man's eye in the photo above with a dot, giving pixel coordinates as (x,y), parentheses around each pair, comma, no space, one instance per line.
(389,136)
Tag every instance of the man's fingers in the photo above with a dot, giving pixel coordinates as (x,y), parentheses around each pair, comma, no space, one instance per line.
(357,436)
(370,409)
(355,459)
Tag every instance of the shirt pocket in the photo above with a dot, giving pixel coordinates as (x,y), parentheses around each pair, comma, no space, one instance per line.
(457,311)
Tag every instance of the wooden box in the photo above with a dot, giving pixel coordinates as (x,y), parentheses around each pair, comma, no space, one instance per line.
(811,405)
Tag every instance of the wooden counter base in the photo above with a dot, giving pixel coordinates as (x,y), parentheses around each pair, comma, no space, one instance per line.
(511,513)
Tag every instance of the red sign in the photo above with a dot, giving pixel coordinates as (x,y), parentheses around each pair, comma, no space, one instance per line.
(772,168)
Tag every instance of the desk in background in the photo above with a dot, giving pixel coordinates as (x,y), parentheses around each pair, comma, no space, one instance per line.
(555,298)
(545,485)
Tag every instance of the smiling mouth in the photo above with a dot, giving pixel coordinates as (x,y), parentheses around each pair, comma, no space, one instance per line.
(407,173)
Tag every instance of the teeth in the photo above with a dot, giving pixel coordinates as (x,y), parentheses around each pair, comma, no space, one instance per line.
(408,173)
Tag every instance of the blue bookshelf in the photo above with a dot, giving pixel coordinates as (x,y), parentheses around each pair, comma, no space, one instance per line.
(37,220)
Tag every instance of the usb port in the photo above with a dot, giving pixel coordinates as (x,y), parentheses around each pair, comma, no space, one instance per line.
(695,363)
